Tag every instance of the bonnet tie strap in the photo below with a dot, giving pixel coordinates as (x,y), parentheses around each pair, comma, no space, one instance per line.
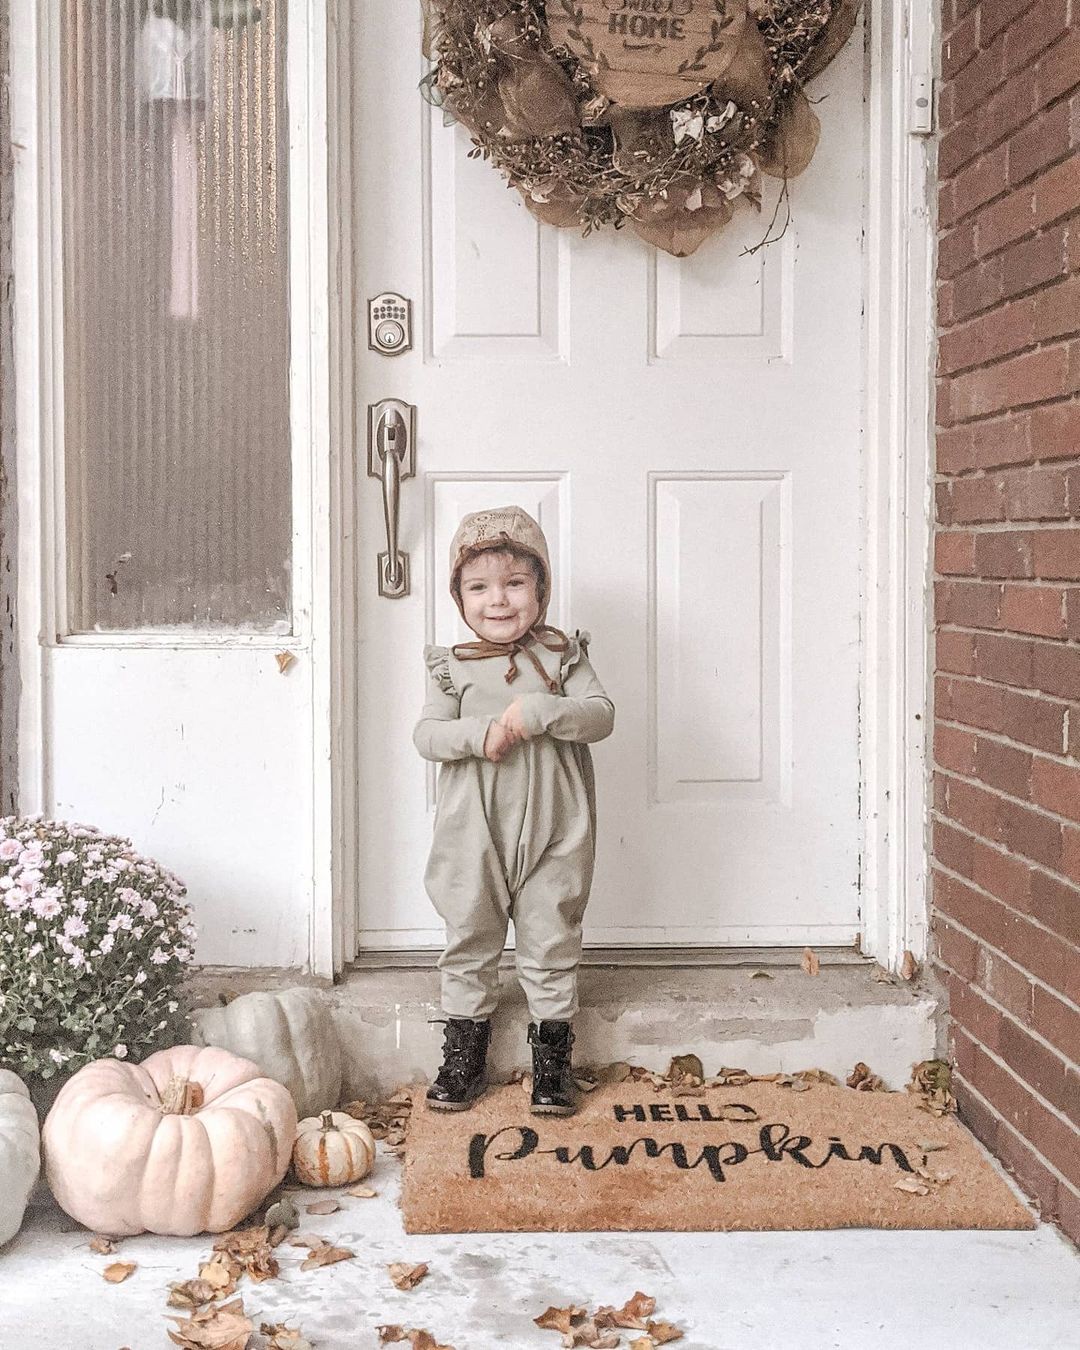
(477,651)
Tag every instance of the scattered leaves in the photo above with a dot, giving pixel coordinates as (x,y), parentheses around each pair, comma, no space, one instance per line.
(809,961)
(323,1207)
(325,1255)
(221,1274)
(362,1193)
(931,1082)
(909,967)
(386,1120)
(103,1246)
(406,1276)
(420,1340)
(250,1251)
(912,1185)
(118,1272)
(600,1330)
(223,1327)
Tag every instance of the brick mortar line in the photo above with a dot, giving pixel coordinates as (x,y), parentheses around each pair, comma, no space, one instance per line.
(1021,1082)
(1058,1176)
(967,932)
(1007,527)
(983,470)
(1064,642)
(936,862)
(1054,644)
(1000,739)
(1023,1026)
(1068,703)
(1043,583)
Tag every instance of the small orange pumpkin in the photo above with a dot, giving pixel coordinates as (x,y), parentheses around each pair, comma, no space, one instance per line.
(332,1149)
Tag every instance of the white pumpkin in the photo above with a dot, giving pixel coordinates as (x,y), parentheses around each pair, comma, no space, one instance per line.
(332,1149)
(20,1152)
(289,1034)
(189,1141)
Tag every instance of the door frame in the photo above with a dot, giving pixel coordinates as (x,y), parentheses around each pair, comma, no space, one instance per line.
(895,679)
(899,256)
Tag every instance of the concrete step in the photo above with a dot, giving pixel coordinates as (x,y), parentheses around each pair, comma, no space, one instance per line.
(642,1014)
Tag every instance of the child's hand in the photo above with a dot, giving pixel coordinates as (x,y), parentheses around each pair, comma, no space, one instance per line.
(497,741)
(514,723)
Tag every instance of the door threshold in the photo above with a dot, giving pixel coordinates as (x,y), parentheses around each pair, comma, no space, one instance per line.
(425,958)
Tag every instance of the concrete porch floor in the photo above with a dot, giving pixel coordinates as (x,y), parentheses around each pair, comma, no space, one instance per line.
(854,1289)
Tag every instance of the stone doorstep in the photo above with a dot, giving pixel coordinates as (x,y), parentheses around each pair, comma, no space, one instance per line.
(642,1014)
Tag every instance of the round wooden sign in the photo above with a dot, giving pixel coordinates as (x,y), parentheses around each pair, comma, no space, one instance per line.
(647,53)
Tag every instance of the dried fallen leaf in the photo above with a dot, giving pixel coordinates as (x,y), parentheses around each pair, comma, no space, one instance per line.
(912,1186)
(662,1332)
(284,660)
(103,1246)
(883,976)
(306,1240)
(809,961)
(219,1328)
(323,1207)
(863,1080)
(193,1294)
(362,1192)
(931,1082)
(586,1084)
(909,967)
(326,1256)
(618,1072)
(283,1337)
(928,1147)
(633,1313)
(221,1274)
(559,1319)
(239,1241)
(406,1276)
(118,1271)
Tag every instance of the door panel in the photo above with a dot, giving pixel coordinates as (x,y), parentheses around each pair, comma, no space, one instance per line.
(689,434)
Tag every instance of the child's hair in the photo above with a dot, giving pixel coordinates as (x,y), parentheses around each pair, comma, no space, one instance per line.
(511,550)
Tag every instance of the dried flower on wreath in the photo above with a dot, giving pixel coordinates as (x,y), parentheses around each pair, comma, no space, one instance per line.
(664,135)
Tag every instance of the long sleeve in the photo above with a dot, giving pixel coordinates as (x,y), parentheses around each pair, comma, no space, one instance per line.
(583,713)
(440,733)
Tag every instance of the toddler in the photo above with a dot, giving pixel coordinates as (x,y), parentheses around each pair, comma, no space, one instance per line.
(509,718)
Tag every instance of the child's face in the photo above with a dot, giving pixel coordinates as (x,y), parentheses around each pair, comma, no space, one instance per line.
(498,595)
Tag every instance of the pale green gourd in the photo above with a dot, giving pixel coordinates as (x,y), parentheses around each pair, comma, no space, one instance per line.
(20,1152)
(290,1034)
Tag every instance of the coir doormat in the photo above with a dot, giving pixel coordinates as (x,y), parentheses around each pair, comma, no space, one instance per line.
(753,1157)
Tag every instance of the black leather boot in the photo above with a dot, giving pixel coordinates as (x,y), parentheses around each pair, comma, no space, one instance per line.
(554,1092)
(461,1079)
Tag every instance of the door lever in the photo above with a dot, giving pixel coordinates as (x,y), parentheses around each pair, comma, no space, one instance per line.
(392,458)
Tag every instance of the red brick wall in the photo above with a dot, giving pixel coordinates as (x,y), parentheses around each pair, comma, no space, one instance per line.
(1006,813)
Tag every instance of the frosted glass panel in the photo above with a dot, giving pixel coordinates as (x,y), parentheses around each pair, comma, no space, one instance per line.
(176,339)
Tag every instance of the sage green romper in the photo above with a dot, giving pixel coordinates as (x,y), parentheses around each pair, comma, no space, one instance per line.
(513,840)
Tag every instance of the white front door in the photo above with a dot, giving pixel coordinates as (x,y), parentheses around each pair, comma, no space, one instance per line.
(689,435)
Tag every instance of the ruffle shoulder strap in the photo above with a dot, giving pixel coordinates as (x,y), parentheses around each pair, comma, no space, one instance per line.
(437,660)
(578,646)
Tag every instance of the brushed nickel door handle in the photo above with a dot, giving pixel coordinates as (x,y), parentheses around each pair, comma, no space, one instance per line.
(391,459)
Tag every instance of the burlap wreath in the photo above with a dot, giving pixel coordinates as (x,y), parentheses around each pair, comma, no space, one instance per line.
(597,117)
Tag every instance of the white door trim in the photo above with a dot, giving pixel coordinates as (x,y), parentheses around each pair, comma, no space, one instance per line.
(897,614)
(37,253)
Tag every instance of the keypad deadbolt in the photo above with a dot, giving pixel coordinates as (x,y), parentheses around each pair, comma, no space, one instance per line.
(390,324)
